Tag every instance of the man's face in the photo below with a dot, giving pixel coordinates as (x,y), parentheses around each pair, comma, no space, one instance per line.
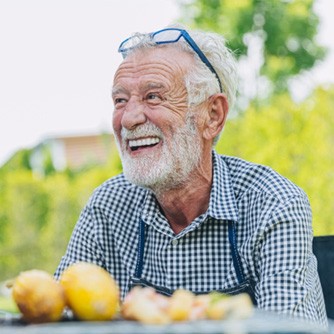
(157,137)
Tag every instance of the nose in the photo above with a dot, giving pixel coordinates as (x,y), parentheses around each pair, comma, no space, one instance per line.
(134,114)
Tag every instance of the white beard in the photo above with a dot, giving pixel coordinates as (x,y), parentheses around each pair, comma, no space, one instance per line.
(168,168)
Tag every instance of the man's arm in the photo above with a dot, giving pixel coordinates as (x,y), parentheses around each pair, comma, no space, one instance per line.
(83,245)
(289,282)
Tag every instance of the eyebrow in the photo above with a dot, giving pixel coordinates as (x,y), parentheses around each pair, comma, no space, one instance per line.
(154,85)
(117,90)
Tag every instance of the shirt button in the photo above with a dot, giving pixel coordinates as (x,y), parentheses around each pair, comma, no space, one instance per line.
(174,242)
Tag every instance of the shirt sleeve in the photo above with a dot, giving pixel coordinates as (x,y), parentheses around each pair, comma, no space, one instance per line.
(83,245)
(289,282)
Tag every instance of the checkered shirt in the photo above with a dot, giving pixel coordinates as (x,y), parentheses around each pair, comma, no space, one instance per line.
(274,238)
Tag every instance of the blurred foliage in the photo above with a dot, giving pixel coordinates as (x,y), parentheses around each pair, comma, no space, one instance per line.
(285,32)
(20,160)
(7,304)
(37,214)
(295,139)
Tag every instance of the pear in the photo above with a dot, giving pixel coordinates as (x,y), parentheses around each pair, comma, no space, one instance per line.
(38,296)
(91,292)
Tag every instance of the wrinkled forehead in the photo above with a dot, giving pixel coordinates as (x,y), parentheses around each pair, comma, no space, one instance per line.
(160,52)
(164,59)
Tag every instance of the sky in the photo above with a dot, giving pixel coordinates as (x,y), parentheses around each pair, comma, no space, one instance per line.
(58,57)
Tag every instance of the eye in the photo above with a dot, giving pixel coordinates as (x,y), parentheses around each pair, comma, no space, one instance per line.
(153,97)
(119,101)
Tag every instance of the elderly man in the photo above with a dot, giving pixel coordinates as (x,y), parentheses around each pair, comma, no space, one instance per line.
(182,216)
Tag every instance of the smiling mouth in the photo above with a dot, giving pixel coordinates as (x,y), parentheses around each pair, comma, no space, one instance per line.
(136,144)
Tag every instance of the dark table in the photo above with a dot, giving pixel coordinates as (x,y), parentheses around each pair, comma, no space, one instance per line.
(260,322)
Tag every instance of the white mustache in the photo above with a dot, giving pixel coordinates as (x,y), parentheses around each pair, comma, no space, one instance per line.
(144,130)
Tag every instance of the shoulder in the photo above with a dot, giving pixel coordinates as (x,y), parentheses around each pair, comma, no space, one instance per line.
(247,177)
(115,192)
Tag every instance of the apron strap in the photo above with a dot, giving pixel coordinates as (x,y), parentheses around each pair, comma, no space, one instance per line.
(234,250)
(140,249)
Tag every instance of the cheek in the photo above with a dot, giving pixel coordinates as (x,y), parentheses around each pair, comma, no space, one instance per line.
(116,124)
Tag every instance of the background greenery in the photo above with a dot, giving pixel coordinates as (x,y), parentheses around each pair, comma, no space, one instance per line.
(37,214)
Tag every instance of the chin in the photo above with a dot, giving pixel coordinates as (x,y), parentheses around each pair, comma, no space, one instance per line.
(151,179)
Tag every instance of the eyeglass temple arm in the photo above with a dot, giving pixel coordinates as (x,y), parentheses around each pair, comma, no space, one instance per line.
(204,59)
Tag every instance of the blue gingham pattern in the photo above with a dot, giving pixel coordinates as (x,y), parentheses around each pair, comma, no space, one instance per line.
(274,237)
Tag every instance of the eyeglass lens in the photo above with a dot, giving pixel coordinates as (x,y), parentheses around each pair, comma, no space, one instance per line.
(166,36)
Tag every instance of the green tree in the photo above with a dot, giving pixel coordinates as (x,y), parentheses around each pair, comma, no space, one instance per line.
(283,31)
(24,210)
(64,209)
(20,160)
(38,214)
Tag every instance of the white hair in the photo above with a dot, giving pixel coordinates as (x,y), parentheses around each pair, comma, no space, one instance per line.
(201,82)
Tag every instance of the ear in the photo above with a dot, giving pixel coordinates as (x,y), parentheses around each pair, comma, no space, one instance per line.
(217,114)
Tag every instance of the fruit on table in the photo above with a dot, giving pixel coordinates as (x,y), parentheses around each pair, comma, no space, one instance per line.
(38,296)
(181,305)
(232,307)
(90,291)
(145,305)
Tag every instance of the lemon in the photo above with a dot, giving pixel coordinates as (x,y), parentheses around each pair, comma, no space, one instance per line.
(90,291)
(38,296)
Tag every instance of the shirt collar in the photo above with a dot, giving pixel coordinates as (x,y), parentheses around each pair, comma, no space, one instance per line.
(223,203)
(152,215)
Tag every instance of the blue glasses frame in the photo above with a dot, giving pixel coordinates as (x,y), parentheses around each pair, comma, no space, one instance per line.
(123,48)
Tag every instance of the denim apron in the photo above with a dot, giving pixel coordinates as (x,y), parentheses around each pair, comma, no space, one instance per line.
(244,285)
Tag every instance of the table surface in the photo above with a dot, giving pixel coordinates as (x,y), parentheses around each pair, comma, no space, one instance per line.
(260,322)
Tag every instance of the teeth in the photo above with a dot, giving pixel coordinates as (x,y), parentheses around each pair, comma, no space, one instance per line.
(143,142)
